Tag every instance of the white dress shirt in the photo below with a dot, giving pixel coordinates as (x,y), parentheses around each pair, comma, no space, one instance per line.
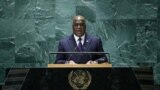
(77,41)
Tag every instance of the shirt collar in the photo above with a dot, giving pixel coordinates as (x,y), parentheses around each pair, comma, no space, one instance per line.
(76,37)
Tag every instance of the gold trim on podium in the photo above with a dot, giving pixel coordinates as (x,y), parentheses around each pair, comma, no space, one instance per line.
(103,65)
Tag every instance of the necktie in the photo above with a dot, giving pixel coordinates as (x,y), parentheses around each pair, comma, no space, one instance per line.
(79,47)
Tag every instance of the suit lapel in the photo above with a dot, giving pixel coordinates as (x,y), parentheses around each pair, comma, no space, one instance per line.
(72,43)
(87,42)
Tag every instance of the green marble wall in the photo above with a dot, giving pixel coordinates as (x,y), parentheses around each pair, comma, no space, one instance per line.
(30,29)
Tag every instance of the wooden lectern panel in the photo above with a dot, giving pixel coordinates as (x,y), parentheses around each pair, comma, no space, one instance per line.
(104,65)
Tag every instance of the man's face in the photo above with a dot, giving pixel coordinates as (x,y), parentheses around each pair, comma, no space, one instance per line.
(79,27)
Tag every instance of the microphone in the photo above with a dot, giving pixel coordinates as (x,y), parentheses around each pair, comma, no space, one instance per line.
(74,50)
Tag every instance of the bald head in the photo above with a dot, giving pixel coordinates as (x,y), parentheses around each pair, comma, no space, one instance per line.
(78,17)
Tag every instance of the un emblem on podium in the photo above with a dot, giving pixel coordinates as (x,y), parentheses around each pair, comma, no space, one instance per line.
(79,79)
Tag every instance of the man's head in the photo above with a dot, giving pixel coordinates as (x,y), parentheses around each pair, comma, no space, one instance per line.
(79,26)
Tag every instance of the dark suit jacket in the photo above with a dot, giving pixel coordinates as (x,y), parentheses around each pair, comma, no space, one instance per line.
(91,44)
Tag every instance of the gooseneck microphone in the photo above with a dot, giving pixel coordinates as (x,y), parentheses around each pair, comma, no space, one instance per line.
(74,50)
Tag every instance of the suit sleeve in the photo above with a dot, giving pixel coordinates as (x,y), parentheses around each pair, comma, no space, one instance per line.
(101,57)
(60,58)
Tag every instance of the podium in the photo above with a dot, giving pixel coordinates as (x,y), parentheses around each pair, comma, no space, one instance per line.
(81,76)
(96,74)
(75,71)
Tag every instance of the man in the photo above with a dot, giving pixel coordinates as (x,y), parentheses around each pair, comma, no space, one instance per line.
(80,41)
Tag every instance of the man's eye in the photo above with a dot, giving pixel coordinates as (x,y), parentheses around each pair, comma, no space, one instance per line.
(79,24)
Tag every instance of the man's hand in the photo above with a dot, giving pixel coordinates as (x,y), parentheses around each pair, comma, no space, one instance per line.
(92,62)
(70,62)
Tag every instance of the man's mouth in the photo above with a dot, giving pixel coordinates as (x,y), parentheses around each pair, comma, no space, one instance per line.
(78,29)
(79,32)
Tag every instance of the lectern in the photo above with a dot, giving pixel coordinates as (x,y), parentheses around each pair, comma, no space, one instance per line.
(81,76)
